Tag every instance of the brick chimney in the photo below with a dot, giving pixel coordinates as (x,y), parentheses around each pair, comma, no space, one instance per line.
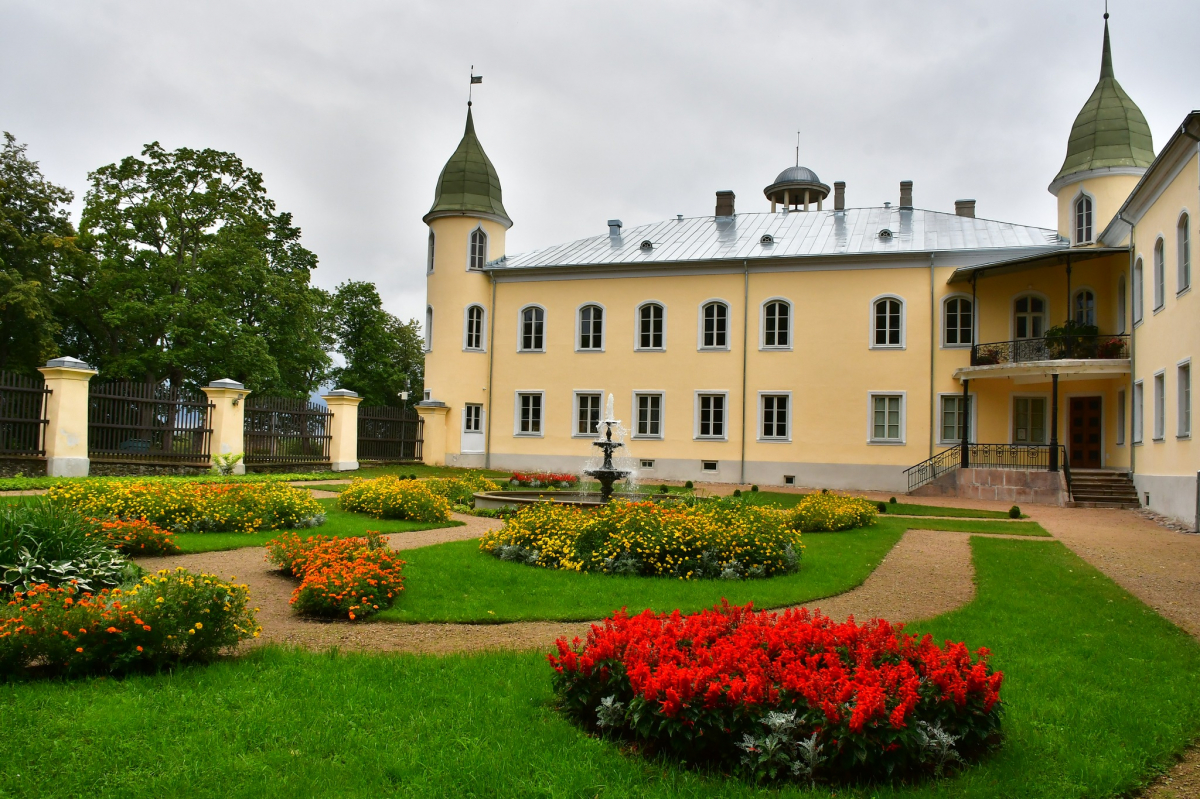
(725,203)
(839,195)
(964,207)
(906,194)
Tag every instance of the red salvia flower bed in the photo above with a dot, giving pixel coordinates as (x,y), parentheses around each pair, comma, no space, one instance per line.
(869,699)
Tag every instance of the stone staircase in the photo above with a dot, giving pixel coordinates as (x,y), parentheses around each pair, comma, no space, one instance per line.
(1100,488)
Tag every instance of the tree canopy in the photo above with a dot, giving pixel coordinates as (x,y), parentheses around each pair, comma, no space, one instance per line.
(383,355)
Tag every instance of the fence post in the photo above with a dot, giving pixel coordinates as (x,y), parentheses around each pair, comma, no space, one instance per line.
(343,429)
(433,449)
(228,419)
(67,414)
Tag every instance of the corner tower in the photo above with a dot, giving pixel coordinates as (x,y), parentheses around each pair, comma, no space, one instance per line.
(467,224)
(1107,153)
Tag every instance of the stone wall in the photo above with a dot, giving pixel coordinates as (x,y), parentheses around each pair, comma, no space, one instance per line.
(999,485)
(22,467)
(132,469)
(287,468)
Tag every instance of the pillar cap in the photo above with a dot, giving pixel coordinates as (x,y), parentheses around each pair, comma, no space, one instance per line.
(67,362)
(226,382)
(341,392)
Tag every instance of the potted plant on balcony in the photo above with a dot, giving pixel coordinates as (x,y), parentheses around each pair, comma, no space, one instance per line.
(1071,340)
(1113,347)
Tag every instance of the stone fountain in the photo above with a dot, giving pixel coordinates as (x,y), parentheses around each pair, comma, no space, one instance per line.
(607,474)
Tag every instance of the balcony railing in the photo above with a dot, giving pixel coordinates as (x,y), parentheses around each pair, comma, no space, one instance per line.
(1051,348)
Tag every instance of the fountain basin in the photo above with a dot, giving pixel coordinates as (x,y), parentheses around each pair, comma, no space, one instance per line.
(587,499)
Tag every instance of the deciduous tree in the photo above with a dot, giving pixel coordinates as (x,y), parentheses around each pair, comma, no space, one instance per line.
(383,355)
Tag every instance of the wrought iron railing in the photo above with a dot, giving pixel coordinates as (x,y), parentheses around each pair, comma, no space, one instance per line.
(282,430)
(1028,457)
(1051,348)
(22,415)
(148,422)
(389,434)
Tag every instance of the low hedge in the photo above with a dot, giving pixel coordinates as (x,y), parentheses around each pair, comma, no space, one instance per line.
(393,498)
(725,539)
(167,618)
(789,696)
(353,577)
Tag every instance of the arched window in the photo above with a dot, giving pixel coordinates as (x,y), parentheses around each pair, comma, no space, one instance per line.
(888,322)
(428,328)
(1083,220)
(714,326)
(591,327)
(650,335)
(1083,309)
(429,266)
(1029,317)
(1185,254)
(1122,310)
(777,324)
(1139,288)
(958,322)
(533,329)
(1160,288)
(477,252)
(473,328)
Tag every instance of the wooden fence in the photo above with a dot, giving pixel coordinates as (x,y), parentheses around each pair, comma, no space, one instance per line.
(22,415)
(285,431)
(389,434)
(148,423)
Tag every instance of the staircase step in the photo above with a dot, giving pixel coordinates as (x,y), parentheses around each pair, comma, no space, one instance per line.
(1091,504)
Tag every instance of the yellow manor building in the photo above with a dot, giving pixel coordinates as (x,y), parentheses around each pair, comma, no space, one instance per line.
(815,344)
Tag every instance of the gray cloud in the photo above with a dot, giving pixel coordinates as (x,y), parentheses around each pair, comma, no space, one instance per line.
(589,111)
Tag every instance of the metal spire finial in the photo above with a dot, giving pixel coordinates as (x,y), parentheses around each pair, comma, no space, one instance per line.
(797,148)
(474,79)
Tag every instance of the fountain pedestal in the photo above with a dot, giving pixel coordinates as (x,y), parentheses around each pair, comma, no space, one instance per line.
(607,474)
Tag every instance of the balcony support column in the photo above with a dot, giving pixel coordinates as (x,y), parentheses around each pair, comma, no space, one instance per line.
(1054,422)
(965,437)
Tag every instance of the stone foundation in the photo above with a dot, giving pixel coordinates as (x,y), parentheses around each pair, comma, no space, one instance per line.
(22,467)
(1000,485)
(132,469)
(287,468)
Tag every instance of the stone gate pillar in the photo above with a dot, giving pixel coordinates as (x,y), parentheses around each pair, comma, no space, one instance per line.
(228,398)
(343,429)
(67,412)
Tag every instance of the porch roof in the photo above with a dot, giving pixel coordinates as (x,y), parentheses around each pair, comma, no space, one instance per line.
(1037,371)
(1059,257)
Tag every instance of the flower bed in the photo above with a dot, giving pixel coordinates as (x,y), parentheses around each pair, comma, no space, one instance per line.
(461,490)
(393,498)
(194,507)
(352,576)
(169,617)
(726,539)
(137,537)
(829,512)
(782,696)
(543,480)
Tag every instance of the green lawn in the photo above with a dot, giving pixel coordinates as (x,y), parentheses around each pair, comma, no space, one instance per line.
(1100,693)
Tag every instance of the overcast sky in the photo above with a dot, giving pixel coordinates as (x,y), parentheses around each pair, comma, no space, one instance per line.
(636,110)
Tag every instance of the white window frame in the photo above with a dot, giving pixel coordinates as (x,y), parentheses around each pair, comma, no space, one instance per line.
(1122,305)
(700,326)
(1183,252)
(1077,293)
(1139,290)
(1160,405)
(1047,422)
(482,411)
(946,345)
(575,395)
(903,323)
(887,442)
(786,438)
(1122,409)
(1183,398)
(517,395)
(429,328)
(482,328)
(579,326)
(1138,416)
(432,249)
(637,327)
(521,328)
(724,415)
(662,415)
(973,402)
(471,248)
(1091,223)
(1012,313)
(1160,273)
(762,325)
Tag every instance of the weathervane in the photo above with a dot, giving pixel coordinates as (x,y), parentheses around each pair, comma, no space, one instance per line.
(474,79)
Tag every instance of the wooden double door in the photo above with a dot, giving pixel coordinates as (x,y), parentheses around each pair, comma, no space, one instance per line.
(1084,432)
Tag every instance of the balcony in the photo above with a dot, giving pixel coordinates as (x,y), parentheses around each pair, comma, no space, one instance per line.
(1065,347)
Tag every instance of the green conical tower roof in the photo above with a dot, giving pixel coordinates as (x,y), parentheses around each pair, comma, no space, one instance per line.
(468,183)
(1110,130)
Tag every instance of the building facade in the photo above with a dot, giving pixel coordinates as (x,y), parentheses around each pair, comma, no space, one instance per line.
(817,344)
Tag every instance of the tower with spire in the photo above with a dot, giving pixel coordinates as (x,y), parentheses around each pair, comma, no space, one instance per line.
(467,225)
(1108,151)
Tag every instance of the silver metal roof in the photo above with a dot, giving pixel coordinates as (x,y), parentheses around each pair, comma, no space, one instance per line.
(854,231)
(797,174)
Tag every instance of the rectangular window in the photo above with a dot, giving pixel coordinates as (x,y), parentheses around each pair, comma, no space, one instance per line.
(774,414)
(529,414)
(1160,268)
(472,418)
(886,419)
(789,479)
(1160,406)
(708,466)
(647,464)
(649,415)
(1120,418)
(1184,414)
(1139,403)
(1029,420)
(711,423)
(952,418)
(587,414)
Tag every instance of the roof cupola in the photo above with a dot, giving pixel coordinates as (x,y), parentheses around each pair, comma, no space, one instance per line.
(469,185)
(795,188)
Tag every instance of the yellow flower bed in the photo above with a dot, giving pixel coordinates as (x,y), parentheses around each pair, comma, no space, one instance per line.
(461,490)
(188,507)
(393,498)
(829,512)
(725,539)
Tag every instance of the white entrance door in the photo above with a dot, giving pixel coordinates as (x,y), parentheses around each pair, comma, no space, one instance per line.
(472,428)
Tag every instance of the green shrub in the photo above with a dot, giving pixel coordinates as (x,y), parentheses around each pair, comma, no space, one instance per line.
(892,501)
(754,488)
(737,492)
(688,485)
(1014,512)
(882,506)
(662,489)
(43,542)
